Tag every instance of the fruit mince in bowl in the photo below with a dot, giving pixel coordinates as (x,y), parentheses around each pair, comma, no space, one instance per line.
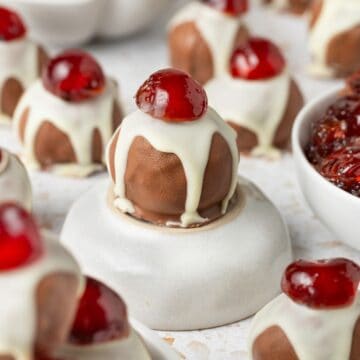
(334,147)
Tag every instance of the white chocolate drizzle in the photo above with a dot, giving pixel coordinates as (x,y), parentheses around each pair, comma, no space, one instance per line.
(279,4)
(19,60)
(314,334)
(18,310)
(14,181)
(336,17)
(131,348)
(258,105)
(219,30)
(77,120)
(190,141)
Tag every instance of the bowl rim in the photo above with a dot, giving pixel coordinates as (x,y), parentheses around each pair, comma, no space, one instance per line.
(299,154)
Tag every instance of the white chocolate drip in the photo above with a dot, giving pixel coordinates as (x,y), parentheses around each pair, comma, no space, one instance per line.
(218,30)
(190,141)
(314,334)
(131,348)
(19,60)
(336,16)
(258,105)
(18,313)
(77,120)
(14,181)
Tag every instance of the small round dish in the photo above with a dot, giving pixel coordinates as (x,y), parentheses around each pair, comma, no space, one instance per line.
(73,22)
(337,209)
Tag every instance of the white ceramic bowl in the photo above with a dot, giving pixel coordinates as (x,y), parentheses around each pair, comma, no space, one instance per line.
(72,22)
(337,209)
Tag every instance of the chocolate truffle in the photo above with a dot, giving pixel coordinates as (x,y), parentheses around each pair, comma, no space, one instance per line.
(39,283)
(317,316)
(335,38)
(203,36)
(21,61)
(259,99)
(65,121)
(165,163)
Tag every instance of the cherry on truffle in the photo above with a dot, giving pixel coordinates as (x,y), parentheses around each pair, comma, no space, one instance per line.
(323,284)
(172,95)
(11,25)
(258,59)
(231,7)
(20,240)
(74,76)
(101,316)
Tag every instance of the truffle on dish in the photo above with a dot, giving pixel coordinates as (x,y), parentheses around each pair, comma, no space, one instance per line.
(65,120)
(203,35)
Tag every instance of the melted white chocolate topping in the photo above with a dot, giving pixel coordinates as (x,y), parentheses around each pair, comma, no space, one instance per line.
(314,334)
(77,120)
(19,60)
(336,17)
(258,105)
(190,141)
(14,181)
(218,29)
(131,348)
(18,310)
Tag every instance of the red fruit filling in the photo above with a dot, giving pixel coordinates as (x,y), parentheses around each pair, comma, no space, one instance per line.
(11,25)
(74,76)
(258,59)
(231,7)
(101,316)
(20,240)
(323,284)
(172,95)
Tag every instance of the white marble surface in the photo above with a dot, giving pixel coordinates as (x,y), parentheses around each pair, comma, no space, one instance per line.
(131,61)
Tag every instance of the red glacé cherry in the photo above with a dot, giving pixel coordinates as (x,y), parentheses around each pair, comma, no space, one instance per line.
(323,284)
(172,95)
(74,76)
(231,7)
(11,25)
(101,316)
(258,59)
(20,240)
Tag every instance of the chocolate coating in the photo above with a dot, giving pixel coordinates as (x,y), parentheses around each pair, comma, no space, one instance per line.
(52,146)
(156,184)
(273,344)
(13,89)
(247,139)
(56,302)
(343,51)
(190,52)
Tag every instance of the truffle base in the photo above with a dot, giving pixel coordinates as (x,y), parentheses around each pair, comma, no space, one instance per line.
(163,273)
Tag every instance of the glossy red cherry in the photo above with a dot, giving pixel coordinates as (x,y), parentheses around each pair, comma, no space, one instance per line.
(11,25)
(101,316)
(20,240)
(74,76)
(231,7)
(172,95)
(258,59)
(323,284)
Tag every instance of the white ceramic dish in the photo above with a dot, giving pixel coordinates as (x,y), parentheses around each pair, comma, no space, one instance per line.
(337,209)
(163,274)
(72,22)
(159,350)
